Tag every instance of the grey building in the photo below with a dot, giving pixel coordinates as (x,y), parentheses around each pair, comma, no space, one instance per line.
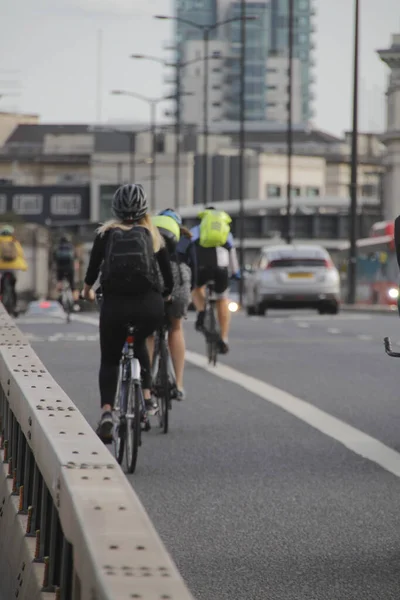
(266,55)
(304,11)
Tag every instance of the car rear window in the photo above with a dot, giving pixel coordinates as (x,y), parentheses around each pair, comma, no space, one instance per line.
(297,262)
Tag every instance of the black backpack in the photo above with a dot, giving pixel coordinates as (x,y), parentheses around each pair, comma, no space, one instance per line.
(129,266)
(64,254)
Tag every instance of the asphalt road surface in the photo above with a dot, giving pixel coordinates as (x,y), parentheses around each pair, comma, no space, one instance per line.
(257,494)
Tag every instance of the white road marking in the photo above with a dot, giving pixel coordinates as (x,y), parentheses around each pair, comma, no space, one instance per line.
(62,337)
(341,317)
(55,337)
(365,338)
(31,337)
(355,440)
(333,330)
(39,320)
(303,325)
(85,319)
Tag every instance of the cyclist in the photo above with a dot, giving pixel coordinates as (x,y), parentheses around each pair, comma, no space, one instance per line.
(64,257)
(126,249)
(183,261)
(216,255)
(12,259)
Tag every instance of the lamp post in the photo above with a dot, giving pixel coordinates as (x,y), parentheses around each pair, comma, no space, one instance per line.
(206,30)
(289,232)
(179,65)
(242,145)
(153,103)
(352,268)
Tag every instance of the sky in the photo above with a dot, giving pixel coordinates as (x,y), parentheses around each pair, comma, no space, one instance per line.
(49,54)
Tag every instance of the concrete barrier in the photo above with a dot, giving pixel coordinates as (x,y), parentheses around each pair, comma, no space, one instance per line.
(71,526)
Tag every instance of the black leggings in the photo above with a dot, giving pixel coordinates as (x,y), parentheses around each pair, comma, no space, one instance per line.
(146,312)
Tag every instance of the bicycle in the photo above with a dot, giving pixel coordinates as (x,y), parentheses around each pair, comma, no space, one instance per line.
(129,408)
(388,348)
(211,327)
(163,376)
(67,300)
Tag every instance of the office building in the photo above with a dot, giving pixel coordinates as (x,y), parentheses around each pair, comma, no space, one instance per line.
(266,59)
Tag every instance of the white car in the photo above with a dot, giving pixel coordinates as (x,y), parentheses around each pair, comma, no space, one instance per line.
(292,276)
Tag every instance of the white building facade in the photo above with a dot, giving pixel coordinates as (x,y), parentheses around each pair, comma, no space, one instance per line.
(391,137)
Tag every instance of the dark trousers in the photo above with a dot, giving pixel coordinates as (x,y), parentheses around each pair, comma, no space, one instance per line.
(146,313)
(13,281)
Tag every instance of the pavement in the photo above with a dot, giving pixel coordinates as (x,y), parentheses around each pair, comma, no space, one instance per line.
(279,478)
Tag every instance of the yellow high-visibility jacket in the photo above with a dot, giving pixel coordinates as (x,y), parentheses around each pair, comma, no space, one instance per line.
(19,264)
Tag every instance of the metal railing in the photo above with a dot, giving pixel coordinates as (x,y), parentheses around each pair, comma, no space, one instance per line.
(70,524)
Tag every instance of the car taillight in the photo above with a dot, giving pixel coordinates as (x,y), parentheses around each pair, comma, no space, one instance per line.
(45,304)
(328,263)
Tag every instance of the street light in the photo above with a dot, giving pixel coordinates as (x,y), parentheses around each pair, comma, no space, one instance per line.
(206,30)
(242,146)
(178,66)
(352,269)
(289,232)
(153,103)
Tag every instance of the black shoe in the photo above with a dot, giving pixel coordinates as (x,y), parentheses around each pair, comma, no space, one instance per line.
(222,347)
(105,428)
(151,407)
(199,325)
(180,395)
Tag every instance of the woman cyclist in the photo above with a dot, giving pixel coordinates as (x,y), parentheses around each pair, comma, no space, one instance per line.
(127,249)
(183,261)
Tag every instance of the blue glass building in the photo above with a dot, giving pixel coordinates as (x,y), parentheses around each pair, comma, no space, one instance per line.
(267,36)
(302,41)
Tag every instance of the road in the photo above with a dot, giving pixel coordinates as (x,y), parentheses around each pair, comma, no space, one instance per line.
(257,495)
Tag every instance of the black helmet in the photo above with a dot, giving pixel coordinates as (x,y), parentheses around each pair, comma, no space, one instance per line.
(130,202)
(65,239)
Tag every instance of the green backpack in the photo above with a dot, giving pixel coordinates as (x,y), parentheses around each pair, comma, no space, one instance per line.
(214,228)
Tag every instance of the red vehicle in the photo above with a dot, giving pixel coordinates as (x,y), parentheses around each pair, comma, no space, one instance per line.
(377,268)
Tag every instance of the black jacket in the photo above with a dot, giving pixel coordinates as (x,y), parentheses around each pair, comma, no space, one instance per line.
(98,253)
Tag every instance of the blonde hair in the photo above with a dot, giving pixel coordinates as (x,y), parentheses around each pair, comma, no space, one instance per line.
(146,222)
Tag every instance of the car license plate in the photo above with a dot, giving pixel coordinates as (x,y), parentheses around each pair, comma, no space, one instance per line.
(300,275)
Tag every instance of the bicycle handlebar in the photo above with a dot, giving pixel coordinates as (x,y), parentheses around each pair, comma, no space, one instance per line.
(388,348)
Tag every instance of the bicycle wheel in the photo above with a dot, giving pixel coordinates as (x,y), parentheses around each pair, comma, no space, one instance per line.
(210,325)
(133,426)
(69,304)
(120,407)
(162,385)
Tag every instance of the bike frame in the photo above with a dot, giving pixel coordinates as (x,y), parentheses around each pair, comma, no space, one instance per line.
(128,358)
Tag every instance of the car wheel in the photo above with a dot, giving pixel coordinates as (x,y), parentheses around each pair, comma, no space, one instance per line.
(250,311)
(333,309)
(261,310)
(322,310)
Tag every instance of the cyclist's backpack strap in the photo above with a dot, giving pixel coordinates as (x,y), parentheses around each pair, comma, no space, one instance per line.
(214,229)
(129,263)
